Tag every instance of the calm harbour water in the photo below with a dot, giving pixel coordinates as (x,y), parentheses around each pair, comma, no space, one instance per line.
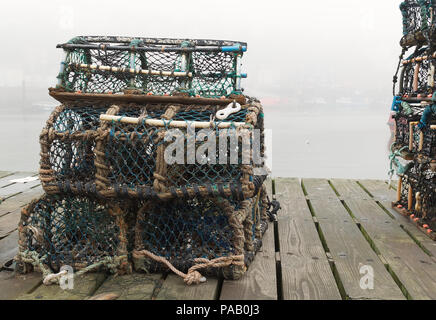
(316,145)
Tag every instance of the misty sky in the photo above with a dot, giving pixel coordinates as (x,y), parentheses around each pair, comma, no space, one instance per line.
(294,47)
(299,53)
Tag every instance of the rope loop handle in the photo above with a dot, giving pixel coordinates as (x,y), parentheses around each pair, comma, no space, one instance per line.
(193,276)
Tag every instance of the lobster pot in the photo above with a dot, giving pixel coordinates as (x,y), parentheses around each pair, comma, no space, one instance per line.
(413,139)
(415,172)
(407,198)
(76,231)
(67,147)
(159,66)
(417,192)
(406,126)
(416,15)
(419,199)
(415,74)
(149,157)
(188,233)
(68,144)
(82,154)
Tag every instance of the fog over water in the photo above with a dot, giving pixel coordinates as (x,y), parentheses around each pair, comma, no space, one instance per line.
(322,69)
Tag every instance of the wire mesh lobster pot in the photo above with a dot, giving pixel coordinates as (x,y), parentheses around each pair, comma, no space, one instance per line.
(123,153)
(209,68)
(417,15)
(188,233)
(78,231)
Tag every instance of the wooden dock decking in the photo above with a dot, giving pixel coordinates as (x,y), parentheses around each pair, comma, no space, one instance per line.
(326,231)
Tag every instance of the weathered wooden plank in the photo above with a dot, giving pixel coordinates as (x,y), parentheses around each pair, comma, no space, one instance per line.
(385,196)
(260,282)
(319,188)
(13,285)
(174,288)
(290,189)
(379,189)
(5,181)
(136,286)
(348,247)
(5,173)
(15,188)
(349,189)
(9,223)
(9,220)
(8,248)
(83,287)
(306,274)
(415,269)
(20,200)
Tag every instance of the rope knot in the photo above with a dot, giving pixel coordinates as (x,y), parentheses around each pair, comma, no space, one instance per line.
(194,277)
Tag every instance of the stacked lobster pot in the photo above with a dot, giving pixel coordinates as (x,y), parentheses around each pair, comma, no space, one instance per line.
(413,151)
(153,160)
